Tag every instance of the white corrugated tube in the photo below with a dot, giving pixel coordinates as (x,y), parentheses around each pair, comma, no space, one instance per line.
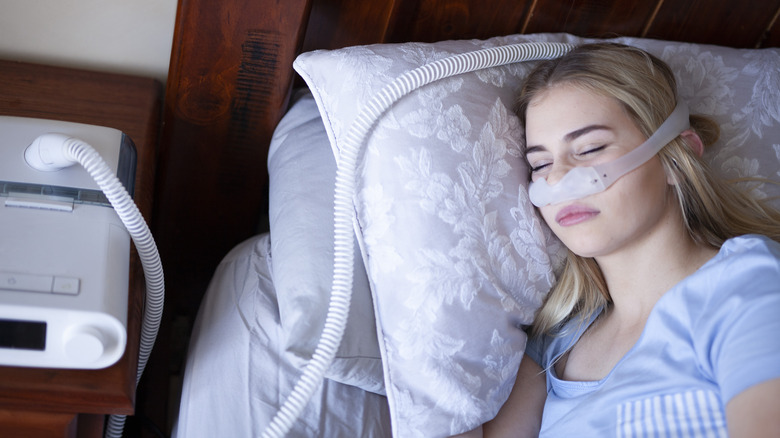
(74,150)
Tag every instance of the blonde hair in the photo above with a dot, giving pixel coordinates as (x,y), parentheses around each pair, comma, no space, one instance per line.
(713,210)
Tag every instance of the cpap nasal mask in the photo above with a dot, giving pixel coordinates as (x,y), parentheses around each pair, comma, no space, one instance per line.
(580,182)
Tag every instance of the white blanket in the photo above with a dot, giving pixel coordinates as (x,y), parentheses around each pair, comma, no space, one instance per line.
(237,373)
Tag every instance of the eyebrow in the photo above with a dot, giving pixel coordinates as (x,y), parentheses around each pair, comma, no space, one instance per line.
(582,131)
(571,136)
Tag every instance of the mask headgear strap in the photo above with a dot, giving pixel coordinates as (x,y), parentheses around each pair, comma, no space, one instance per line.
(677,122)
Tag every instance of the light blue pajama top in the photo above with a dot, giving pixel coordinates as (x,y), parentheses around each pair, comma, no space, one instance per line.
(710,337)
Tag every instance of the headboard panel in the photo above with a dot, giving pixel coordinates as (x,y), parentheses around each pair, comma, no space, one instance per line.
(229,83)
(340,23)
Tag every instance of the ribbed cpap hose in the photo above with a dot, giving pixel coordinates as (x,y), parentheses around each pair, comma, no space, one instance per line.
(90,159)
(341,290)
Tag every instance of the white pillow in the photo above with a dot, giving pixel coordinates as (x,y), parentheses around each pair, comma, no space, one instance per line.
(457,260)
(302,171)
(456,257)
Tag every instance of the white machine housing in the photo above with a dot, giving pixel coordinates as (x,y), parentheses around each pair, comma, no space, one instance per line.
(64,252)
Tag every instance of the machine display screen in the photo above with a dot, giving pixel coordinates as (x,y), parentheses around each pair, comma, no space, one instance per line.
(26,335)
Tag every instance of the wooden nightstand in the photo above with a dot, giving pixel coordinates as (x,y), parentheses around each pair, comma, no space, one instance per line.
(73,403)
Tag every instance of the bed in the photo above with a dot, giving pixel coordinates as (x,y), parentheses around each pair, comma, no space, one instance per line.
(449,261)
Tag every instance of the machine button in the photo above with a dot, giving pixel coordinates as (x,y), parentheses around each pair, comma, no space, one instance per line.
(84,345)
(66,285)
(25,282)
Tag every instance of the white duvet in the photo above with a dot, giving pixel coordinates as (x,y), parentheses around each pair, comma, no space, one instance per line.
(237,373)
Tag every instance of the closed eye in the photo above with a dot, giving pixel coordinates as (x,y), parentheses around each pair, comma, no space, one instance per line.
(539,166)
(593,150)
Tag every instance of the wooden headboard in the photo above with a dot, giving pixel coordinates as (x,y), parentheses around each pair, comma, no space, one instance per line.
(230,79)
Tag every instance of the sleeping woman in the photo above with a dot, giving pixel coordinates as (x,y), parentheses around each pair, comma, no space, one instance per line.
(665,320)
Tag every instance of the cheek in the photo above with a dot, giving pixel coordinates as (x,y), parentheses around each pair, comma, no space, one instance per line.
(642,196)
(645,183)
(549,216)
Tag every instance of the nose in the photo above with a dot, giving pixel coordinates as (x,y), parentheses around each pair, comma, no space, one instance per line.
(558,169)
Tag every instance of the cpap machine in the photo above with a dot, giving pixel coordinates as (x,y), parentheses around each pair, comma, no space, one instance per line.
(64,251)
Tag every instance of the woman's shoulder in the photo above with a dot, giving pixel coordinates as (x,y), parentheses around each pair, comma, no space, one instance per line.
(750,251)
(751,243)
(734,322)
(745,271)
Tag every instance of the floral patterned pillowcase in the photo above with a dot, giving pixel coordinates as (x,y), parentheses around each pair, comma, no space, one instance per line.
(456,258)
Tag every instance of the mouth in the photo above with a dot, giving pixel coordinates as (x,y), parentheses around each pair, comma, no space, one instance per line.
(575,214)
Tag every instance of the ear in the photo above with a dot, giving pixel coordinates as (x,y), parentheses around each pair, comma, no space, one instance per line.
(693,140)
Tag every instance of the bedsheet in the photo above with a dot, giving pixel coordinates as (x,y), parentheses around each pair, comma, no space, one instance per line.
(237,372)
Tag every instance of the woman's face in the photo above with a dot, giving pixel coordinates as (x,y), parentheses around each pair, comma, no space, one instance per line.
(568,126)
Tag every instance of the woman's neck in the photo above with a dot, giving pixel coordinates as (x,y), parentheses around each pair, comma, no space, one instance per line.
(638,276)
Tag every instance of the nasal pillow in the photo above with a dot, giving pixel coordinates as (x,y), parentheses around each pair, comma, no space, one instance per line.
(580,182)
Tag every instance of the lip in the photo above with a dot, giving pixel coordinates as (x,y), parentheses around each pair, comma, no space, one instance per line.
(575,214)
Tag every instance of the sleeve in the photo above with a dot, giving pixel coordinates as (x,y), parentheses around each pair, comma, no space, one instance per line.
(742,327)
(535,349)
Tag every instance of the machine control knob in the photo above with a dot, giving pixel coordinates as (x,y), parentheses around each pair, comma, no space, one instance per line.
(85,344)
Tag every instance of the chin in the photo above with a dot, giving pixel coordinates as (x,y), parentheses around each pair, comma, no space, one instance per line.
(584,246)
